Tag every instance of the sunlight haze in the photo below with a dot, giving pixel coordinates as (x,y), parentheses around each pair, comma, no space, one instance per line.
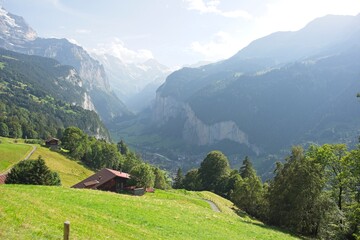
(174,32)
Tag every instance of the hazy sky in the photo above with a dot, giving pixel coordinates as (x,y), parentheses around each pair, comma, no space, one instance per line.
(175,32)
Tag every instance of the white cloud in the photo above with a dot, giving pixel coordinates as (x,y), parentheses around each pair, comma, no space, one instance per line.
(126,55)
(221,46)
(212,6)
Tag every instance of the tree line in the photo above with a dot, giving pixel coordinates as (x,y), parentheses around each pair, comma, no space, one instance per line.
(98,154)
(315,192)
(32,120)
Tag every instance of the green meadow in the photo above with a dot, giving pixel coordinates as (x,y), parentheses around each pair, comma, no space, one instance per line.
(70,171)
(38,212)
(11,153)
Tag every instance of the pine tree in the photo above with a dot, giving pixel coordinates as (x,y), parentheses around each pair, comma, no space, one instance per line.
(178,181)
(247,170)
(248,190)
(123,148)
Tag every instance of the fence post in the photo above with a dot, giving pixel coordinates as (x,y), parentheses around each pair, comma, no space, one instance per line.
(66,230)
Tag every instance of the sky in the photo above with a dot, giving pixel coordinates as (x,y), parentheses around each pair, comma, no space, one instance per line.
(174,32)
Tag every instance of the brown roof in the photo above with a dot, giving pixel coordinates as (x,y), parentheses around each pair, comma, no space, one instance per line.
(119,174)
(91,183)
(100,178)
(51,139)
(3,178)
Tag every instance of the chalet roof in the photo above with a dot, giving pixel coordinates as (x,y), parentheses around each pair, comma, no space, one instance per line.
(3,178)
(51,139)
(100,178)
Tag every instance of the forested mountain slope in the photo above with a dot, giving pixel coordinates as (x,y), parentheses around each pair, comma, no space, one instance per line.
(39,97)
(17,35)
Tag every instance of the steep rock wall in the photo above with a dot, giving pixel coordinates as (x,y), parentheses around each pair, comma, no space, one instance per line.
(196,131)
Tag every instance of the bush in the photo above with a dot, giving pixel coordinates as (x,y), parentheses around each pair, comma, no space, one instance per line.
(34,141)
(33,172)
(142,176)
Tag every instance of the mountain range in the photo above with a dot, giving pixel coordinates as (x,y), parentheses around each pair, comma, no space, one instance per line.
(283,89)
(16,35)
(134,83)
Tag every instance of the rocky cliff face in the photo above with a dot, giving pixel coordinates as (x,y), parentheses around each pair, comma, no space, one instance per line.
(90,70)
(87,103)
(166,108)
(194,130)
(14,30)
(85,100)
(197,132)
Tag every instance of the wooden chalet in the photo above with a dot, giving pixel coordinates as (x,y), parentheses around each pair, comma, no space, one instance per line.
(52,142)
(105,180)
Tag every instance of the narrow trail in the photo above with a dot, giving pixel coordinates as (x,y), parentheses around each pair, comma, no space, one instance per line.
(26,158)
(213,206)
(31,153)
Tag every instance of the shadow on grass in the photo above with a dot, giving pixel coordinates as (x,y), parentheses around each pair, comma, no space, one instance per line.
(258,223)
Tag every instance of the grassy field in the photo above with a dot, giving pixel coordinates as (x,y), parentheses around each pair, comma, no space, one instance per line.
(70,171)
(11,153)
(38,212)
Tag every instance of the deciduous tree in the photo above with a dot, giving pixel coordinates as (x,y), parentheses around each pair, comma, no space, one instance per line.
(213,169)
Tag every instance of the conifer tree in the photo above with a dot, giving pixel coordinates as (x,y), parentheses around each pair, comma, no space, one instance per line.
(179,178)
(248,191)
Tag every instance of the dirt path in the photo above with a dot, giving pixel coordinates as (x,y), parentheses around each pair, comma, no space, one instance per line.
(32,151)
(26,158)
(213,206)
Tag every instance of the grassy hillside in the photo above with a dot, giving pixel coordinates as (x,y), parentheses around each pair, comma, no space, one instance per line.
(38,212)
(11,153)
(70,171)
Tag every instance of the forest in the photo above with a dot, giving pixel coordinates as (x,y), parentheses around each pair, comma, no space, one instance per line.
(315,192)
(36,101)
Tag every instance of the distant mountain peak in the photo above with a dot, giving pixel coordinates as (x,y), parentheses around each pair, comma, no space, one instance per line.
(14,29)
(16,35)
(314,38)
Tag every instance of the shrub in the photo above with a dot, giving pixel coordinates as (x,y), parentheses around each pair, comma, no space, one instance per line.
(34,141)
(33,172)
